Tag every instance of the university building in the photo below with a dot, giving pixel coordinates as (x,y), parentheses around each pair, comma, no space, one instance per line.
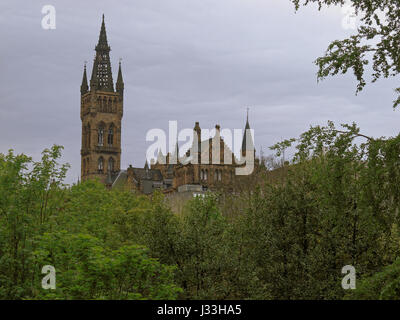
(207,165)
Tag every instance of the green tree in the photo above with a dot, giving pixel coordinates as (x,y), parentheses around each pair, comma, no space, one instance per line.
(376,41)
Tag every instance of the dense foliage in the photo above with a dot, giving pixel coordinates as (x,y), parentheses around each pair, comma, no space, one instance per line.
(284,236)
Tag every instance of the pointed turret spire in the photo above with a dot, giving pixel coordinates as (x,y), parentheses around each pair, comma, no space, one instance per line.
(103,44)
(247,142)
(119,86)
(84,85)
(177,150)
(160,157)
(146,166)
(101,73)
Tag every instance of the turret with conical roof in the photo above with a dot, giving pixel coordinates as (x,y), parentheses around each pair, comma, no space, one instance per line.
(119,86)
(247,142)
(84,85)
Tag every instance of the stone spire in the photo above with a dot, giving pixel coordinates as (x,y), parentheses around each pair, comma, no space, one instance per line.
(247,142)
(119,86)
(84,85)
(101,73)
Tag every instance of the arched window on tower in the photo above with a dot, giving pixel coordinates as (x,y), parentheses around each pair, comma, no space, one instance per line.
(100,165)
(111,165)
(100,135)
(110,137)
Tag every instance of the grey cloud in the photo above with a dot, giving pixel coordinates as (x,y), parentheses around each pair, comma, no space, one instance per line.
(198,60)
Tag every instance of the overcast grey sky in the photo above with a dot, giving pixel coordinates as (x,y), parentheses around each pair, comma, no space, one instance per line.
(184,60)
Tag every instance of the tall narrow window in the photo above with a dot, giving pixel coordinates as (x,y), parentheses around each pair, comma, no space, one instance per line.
(219,175)
(110,138)
(87,165)
(215,175)
(205,174)
(201,174)
(111,165)
(100,164)
(100,136)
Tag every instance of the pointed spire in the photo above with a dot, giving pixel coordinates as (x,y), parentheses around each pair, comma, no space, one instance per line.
(160,157)
(247,142)
(102,44)
(119,86)
(147,170)
(101,73)
(84,85)
(177,149)
(247,119)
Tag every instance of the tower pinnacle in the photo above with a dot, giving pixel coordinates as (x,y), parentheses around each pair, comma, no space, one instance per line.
(84,85)
(101,74)
(247,142)
(119,86)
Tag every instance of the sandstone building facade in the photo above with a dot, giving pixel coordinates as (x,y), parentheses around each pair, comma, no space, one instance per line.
(207,165)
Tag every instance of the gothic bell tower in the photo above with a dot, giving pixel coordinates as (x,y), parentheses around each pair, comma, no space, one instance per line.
(101,115)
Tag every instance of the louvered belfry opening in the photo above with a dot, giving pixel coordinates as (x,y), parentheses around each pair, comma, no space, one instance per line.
(101,74)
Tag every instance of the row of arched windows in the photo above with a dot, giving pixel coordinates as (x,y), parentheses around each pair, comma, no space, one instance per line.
(217,175)
(107,104)
(101,132)
(110,165)
(204,175)
(100,165)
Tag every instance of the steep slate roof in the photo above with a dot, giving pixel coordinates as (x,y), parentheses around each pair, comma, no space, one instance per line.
(120,180)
